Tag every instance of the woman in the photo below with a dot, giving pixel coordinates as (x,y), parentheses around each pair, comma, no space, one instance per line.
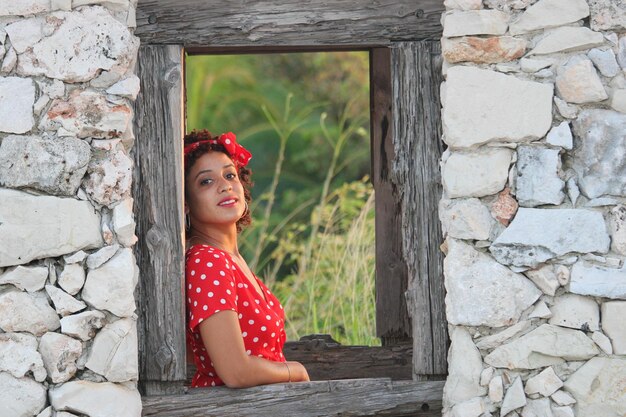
(235,324)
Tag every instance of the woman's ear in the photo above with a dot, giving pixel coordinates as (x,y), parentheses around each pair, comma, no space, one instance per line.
(186,209)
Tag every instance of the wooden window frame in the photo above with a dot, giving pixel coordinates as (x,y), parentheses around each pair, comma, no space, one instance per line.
(405,75)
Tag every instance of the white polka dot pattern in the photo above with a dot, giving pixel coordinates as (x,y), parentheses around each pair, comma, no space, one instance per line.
(208,276)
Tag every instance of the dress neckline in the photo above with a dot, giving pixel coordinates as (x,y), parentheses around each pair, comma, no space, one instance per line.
(258,281)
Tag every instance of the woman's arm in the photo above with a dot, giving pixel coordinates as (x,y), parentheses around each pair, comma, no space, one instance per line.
(222,339)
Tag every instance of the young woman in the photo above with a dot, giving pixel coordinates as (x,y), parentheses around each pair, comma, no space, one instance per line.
(235,325)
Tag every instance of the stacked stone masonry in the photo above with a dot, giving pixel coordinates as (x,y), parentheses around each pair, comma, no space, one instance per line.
(534,207)
(68,334)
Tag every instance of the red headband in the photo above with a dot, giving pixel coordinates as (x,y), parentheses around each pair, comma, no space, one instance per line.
(240,155)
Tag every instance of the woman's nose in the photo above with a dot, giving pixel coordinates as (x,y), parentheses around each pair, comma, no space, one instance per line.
(225,186)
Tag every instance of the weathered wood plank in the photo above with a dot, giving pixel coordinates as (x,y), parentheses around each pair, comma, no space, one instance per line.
(392,318)
(325,361)
(286,22)
(416,74)
(157,189)
(361,397)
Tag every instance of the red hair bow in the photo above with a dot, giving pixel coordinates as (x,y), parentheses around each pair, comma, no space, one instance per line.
(240,155)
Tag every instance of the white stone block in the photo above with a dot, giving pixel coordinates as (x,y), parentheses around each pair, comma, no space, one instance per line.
(75,257)
(8,64)
(533,65)
(75,115)
(97,259)
(576,312)
(20,397)
(96,399)
(595,388)
(482,292)
(562,398)
(474,22)
(23,8)
(124,222)
(27,278)
(476,174)
(55,166)
(605,61)
(545,346)
(514,397)
(47,412)
(538,180)
(608,15)
(496,339)
(110,178)
(114,352)
(602,341)
(549,14)
(64,303)
(544,277)
(111,286)
(26,312)
(568,111)
(463,4)
(470,408)
(17,97)
(618,100)
(561,135)
(496,389)
(59,353)
(537,235)
(511,110)
(68,225)
(600,281)
(545,383)
(465,219)
(613,313)
(55,55)
(25,33)
(464,368)
(567,39)
(537,408)
(72,278)
(597,159)
(494,49)
(562,412)
(19,356)
(540,311)
(83,325)
(486,375)
(127,87)
(577,81)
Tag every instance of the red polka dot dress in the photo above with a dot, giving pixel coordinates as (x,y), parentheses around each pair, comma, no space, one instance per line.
(215,283)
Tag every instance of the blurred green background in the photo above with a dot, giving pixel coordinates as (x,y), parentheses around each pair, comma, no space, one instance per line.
(305,118)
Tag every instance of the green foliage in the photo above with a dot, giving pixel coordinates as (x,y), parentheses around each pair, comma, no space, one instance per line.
(305,118)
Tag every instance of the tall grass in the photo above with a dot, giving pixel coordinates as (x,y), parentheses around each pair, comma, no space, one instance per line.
(332,291)
(317,251)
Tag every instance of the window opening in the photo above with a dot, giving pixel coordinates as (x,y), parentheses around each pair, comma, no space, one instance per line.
(305,118)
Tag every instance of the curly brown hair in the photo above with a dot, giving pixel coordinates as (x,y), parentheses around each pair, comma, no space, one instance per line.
(243,172)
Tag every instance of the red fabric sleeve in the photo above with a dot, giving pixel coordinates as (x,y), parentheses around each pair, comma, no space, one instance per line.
(210,285)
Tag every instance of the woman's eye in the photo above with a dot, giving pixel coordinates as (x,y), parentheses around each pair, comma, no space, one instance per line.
(205,181)
(231,175)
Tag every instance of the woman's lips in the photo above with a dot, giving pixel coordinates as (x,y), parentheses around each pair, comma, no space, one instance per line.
(227,202)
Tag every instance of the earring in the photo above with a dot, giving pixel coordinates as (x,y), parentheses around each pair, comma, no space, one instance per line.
(187,222)
(247,210)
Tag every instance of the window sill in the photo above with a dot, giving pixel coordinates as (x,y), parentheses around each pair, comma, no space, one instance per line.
(354,397)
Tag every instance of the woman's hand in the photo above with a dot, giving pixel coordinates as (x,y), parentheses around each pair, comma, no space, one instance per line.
(298,372)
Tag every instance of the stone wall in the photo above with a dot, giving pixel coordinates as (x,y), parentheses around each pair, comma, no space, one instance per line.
(68,338)
(533,209)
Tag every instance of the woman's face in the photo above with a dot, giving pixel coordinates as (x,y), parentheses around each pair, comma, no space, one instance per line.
(214,193)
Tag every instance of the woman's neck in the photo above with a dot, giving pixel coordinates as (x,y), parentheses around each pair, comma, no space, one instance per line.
(224,239)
